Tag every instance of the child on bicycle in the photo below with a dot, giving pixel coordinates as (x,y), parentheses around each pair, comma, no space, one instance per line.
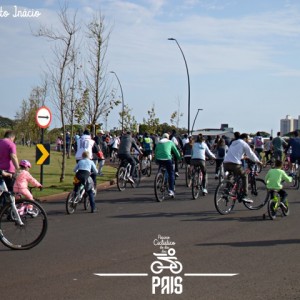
(22,178)
(274,180)
(83,170)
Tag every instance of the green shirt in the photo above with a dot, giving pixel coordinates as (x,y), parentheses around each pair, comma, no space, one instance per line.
(164,150)
(275,177)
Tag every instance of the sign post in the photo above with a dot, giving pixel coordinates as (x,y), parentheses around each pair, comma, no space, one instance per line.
(43,119)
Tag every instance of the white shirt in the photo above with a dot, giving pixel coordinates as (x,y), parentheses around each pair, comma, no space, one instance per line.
(85,143)
(236,151)
(199,150)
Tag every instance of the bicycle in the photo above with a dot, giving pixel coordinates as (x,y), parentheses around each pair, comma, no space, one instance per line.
(221,173)
(114,156)
(75,198)
(296,176)
(270,162)
(23,222)
(229,191)
(275,204)
(124,172)
(161,184)
(196,181)
(146,166)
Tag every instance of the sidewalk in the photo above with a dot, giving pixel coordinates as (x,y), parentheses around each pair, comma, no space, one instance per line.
(63,196)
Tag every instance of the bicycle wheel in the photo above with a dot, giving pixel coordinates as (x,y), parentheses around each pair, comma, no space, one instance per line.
(258,168)
(71,203)
(86,201)
(272,209)
(224,200)
(160,187)
(149,168)
(121,181)
(259,194)
(28,235)
(196,186)
(188,176)
(285,208)
(136,177)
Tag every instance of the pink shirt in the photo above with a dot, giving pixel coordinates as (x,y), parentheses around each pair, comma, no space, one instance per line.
(22,180)
(7,147)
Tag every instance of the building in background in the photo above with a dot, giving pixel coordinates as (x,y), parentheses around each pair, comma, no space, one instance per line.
(289,124)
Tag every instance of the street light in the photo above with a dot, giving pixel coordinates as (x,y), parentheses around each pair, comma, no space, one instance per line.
(195,120)
(188,76)
(122,99)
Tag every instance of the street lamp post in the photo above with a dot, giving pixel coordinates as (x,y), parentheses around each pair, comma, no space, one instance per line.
(195,120)
(188,77)
(122,99)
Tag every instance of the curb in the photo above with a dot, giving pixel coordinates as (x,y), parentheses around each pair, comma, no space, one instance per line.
(63,196)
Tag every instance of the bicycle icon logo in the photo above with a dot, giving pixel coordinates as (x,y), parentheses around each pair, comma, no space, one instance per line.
(173,264)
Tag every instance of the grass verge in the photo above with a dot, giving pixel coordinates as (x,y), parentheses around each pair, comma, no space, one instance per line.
(52,172)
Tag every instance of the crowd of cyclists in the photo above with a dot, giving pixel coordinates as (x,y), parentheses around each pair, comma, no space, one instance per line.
(168,150)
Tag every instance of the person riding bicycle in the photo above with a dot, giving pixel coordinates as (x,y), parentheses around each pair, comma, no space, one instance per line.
(147,145)
(294,146)
(164,150)
(22,178)
(258,143)
(187,150)
(178,143)
(221,149)
(8,157)
(199,150)
(83,170)
(278,144)
(274,179)
(124,153)
(232,161)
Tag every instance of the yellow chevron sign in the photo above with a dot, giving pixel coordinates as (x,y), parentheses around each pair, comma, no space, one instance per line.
(42,154)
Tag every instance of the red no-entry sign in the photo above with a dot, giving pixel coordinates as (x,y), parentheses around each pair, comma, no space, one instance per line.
(43,117)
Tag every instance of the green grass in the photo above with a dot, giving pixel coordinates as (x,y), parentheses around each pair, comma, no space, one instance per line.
(52,172)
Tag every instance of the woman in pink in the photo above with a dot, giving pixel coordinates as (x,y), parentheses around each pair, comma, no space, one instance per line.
(23,177)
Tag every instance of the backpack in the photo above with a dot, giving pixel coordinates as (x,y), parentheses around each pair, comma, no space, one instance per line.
(258,142)
(221,152)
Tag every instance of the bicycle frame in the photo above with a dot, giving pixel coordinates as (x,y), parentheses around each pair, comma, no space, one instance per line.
(274,204)
(4,191)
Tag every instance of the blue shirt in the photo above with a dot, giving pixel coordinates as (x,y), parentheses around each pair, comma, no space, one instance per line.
(86,165)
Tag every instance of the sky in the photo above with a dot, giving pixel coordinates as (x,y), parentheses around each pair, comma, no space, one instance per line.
(242,58)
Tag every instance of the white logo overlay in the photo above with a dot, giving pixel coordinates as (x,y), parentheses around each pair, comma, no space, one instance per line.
(167,270)
(167,283)
(19,12)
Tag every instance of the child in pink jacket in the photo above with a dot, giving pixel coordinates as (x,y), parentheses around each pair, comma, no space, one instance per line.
(23,177)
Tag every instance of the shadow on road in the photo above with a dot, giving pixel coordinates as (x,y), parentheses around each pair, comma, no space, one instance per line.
(255,243)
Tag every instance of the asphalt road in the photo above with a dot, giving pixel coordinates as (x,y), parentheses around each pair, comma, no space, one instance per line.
(108,255)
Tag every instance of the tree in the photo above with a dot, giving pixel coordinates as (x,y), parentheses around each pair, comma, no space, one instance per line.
(152,122)
(130,122)
(25,125)
(102,100)
(59,69)
(176,115)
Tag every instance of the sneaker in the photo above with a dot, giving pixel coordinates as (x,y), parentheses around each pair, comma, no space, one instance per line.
(130,179)
(176,174)
(171,194)
(95,210)
(205,191)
